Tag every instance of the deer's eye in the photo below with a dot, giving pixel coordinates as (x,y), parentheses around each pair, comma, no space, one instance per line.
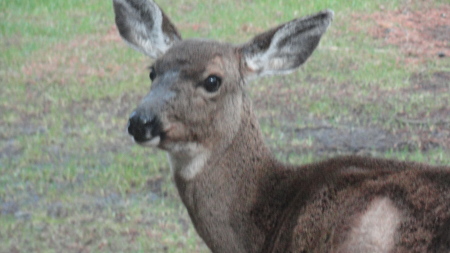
(212,83)
(152,74)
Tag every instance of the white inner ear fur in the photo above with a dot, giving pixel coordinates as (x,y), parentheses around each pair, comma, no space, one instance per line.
(187,160)
(374,230)
(153,44)
(276,60)
(266,63)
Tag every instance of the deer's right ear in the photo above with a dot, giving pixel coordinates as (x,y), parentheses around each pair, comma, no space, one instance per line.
(144,26)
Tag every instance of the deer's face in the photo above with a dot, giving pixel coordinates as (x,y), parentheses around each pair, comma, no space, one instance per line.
(195,97)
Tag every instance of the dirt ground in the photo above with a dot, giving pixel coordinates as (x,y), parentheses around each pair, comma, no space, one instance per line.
(420,34)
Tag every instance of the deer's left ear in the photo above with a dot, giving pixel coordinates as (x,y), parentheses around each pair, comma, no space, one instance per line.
(145,26)
(282,49)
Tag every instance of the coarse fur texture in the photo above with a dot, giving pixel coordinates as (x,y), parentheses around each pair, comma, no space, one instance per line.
(239,197)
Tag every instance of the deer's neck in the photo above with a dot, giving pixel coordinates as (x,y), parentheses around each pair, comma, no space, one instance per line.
(222,197)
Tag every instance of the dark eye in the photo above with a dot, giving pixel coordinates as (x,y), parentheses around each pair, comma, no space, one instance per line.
(212,83)
(152,73)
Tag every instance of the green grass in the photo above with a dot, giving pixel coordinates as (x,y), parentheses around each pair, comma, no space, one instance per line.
(71,179)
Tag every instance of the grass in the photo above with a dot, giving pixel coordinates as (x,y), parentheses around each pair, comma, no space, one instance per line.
(72,181)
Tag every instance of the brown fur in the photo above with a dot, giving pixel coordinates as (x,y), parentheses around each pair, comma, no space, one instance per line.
(240,198)
(277,208)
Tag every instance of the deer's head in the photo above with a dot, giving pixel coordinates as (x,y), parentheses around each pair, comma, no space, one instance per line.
(196,97)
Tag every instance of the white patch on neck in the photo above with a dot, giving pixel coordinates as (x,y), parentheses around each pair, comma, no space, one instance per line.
(188,160)
(374,230)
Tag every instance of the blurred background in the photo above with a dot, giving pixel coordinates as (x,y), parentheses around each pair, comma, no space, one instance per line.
(71,180)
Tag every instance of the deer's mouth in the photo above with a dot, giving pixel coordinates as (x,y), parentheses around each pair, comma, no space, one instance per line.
(149,141)
(154,142)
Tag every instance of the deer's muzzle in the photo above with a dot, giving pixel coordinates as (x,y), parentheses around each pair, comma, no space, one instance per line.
(144,128)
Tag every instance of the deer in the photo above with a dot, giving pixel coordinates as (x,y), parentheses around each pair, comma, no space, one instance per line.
(239,197)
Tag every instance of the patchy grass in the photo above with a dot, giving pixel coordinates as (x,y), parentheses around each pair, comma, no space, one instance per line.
(72,181)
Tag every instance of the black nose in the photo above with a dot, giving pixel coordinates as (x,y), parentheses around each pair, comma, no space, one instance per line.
(143,128)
